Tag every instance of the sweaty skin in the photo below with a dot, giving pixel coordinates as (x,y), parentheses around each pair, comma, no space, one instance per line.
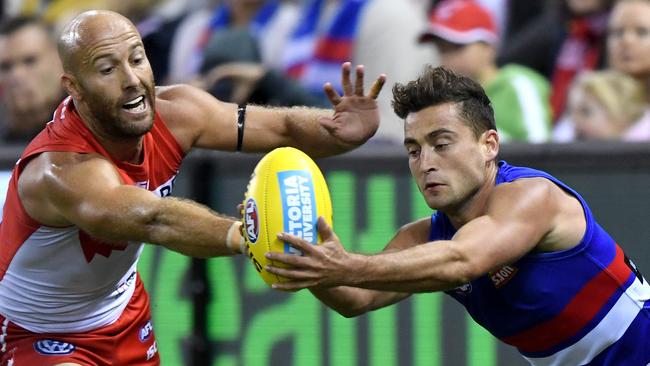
(455,172)
(106,72)
(108,76)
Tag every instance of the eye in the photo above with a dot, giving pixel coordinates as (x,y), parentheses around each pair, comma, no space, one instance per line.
(30,60)
(615,33)
(137,60)
(442,146)
(642,32)
(106,70)
(413,152)
(6,66)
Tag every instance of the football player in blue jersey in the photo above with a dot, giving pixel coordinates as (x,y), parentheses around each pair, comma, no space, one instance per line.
(517,247)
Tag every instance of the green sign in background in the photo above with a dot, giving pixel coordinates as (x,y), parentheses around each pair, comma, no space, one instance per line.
(249,324)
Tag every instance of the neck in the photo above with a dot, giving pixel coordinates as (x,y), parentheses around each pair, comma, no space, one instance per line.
(243,12)
(476,203)
(488,74)
(645,81)
(127,149)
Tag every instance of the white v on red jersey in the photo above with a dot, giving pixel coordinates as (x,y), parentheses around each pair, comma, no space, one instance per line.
(60,279)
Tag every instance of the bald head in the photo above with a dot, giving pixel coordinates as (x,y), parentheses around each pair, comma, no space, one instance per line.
(87,30)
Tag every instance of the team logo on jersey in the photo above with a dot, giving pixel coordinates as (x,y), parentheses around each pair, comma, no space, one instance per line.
(251,220)
(634,269)
(146,331)
(464,289)
(502,275)
(51,347)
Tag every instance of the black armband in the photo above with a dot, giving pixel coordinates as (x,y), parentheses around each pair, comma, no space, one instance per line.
(241,121)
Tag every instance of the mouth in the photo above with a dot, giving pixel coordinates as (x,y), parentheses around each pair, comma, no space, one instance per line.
(136,105)
(432,186)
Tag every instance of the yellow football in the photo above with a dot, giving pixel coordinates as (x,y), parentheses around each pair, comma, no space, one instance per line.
(286,193)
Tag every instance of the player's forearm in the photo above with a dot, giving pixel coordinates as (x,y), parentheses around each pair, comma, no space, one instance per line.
(192,229)
(347,301)
(353,301)
(180,225)
(422,268)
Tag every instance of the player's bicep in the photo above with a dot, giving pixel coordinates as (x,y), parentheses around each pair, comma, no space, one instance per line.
(518,218)
(90,194)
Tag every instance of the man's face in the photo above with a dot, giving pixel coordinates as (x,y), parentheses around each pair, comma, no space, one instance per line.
(592,121)
(445,158)
(115,81)
(467,59)
(628,40)
(29,71)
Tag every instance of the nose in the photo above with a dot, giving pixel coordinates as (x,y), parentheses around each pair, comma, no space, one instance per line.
(130,78)
(428,159)
(627,37)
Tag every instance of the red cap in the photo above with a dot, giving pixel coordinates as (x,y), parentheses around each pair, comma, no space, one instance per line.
(461,22)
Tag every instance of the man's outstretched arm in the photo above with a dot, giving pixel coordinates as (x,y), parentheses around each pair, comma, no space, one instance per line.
(519,216)
(85,190)
(198,119)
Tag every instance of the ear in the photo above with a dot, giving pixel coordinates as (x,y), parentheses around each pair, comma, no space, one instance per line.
(490,143)
(69,83)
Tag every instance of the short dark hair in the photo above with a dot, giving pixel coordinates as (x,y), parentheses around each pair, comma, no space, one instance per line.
(438,85)
(11,25)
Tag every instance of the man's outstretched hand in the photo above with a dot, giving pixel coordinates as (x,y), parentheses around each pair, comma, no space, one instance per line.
(356,116)
(320,266)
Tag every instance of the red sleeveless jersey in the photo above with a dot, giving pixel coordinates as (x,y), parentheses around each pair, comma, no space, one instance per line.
(55,279)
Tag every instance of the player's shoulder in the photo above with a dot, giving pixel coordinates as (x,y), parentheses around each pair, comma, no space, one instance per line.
(51,167)
(418,230)
(183,103)
(180,97)
(535,192)
(175,92)
(52,173)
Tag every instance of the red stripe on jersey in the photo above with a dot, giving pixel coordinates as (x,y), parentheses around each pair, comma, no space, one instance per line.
(577,313)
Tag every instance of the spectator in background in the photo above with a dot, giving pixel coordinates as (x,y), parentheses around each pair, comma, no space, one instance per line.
(628,50)
(380,34)
(271,24)
(29,78)
(235,57)
(566,39)
(604,105)
(466,37)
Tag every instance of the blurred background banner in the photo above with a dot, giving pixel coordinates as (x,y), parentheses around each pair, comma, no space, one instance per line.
(219,312)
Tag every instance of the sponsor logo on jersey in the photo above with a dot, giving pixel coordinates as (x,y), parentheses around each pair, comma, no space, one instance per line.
(502,275)
(146,331)
(251,219)
(164,189)
(298,206)
(153,349)
(51,347)
(124,285)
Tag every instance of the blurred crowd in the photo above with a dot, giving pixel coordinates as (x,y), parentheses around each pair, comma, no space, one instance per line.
(555,70)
